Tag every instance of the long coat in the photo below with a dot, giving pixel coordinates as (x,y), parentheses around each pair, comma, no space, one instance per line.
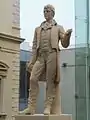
(57,33)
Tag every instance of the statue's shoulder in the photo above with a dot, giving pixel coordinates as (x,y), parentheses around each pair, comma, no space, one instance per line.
(60,26)
(38,27)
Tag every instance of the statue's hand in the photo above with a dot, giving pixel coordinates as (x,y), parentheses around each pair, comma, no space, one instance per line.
(29,67)
(68,32)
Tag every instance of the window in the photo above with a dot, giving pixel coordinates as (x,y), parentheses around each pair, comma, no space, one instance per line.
(3,74)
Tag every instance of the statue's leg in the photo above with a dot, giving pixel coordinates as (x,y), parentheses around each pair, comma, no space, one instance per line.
(56,105)
(34,87)
(50,76)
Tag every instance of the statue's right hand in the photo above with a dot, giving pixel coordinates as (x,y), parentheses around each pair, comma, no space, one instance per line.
(31,63)
(29,67)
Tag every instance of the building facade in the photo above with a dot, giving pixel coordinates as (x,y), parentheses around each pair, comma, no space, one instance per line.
(9,58)
(10,17)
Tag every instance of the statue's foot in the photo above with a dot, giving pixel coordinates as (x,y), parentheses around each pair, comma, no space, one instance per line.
(47,111)
(27,111)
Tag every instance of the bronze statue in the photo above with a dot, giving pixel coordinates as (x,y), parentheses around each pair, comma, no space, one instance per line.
(45,59)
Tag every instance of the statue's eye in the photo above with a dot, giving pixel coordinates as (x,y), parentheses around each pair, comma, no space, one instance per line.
(46,11)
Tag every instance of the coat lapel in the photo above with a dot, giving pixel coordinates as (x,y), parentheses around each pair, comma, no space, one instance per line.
(54,36)
(54,32)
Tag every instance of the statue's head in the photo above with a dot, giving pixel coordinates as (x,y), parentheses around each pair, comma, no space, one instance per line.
(49,12)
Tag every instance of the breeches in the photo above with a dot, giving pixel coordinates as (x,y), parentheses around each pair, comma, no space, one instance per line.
(45,62)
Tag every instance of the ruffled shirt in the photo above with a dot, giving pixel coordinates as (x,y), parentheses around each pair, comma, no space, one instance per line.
(46,25)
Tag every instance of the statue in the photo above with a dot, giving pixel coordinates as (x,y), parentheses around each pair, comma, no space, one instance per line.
(45,59)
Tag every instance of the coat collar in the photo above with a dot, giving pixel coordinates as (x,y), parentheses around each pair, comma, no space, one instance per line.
(46,25)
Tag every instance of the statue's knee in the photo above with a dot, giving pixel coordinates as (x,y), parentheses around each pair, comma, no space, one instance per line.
(33,80)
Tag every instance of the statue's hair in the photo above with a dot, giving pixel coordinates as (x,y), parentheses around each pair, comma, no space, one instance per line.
(51,8)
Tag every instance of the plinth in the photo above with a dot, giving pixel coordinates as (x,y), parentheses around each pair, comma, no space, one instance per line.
(43,117)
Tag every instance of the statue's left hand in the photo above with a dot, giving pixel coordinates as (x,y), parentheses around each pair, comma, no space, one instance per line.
(68,32)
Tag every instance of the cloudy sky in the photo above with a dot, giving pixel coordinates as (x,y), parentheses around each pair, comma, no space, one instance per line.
(32,15)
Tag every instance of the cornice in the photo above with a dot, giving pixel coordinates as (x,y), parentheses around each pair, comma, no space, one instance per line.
(12,38)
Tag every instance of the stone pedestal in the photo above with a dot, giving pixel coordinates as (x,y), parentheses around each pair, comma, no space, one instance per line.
(43,117)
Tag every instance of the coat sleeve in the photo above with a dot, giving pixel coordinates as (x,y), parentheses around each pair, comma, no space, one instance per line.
(34,54)
(34,48)
(65,39)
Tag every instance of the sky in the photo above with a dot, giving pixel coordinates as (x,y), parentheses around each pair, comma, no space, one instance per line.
(31,16)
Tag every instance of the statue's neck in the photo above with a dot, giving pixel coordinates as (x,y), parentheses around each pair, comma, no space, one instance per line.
(49,21)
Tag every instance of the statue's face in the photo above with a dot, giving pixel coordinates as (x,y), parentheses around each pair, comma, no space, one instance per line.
(48,14)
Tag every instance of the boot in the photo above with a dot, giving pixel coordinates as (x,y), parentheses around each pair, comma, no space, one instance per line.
(32,100)
(27,111)
(48,104)
(56,105)
(47,110)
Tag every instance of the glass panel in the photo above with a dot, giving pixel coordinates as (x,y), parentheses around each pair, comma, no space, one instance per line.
(80,56)
(80,8)
(80,22)
(81,32)
(82,59)
(81,109)
(89,21)
(80,81)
